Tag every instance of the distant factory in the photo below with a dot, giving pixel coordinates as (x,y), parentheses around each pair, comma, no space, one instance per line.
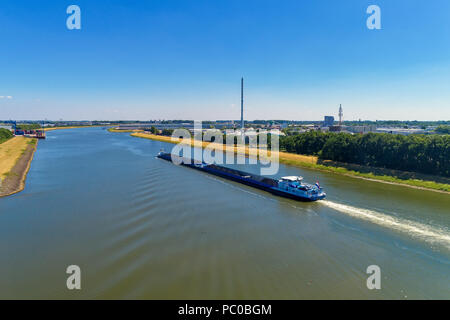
(328,121)
(329,125)
(26,132)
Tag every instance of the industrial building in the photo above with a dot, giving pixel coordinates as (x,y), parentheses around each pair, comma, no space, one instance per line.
(328,121)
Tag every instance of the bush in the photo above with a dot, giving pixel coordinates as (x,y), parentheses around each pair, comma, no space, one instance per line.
(29,126)
(443,129)
(5,135)
(167,132)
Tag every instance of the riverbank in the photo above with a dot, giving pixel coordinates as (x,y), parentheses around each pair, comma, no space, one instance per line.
(16,155)
(71,127)
(253,152)
(117,130)
(377,175)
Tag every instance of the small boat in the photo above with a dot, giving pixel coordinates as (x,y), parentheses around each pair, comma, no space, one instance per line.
(289,187)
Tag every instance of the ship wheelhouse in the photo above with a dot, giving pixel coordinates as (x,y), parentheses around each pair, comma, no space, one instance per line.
(293,184)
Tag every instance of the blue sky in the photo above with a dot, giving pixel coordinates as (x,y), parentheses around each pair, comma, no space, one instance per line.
(184,59)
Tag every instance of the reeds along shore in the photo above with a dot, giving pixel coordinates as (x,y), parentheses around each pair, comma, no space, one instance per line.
(16,155)
(312,162)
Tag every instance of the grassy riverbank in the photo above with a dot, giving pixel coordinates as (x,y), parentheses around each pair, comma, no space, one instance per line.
(312,162)
(413,183)
(16,155)
(60,128)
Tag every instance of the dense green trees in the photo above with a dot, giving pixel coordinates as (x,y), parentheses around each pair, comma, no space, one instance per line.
(428,154)
(5,135)
(167,132)
(443,129)
(33,126)
(310,143)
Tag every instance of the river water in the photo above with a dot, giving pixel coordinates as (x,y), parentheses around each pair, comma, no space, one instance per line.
(140,227)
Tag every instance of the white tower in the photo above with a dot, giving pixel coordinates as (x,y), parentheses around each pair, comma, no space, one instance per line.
(341,114)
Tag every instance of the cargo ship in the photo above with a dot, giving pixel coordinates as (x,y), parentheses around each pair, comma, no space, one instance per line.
(291,187)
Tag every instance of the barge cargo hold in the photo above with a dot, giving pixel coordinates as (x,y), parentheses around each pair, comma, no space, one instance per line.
(288,187)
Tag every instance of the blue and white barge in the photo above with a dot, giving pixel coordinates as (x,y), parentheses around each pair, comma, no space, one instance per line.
(289,187)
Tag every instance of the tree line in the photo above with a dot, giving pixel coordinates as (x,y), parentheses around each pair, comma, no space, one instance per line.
(32,126)
(5,135)
(429,154)
(442,129)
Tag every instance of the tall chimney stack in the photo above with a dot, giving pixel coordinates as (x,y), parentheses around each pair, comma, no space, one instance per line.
(242,104)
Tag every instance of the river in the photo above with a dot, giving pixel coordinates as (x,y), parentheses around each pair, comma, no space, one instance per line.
(142,228)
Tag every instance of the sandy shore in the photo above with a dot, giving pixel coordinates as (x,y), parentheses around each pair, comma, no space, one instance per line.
(72,127)
(16,155)
(311,162)
(248,151)
(117,130)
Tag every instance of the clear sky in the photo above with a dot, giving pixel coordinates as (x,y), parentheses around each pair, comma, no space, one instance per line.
(167,59)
